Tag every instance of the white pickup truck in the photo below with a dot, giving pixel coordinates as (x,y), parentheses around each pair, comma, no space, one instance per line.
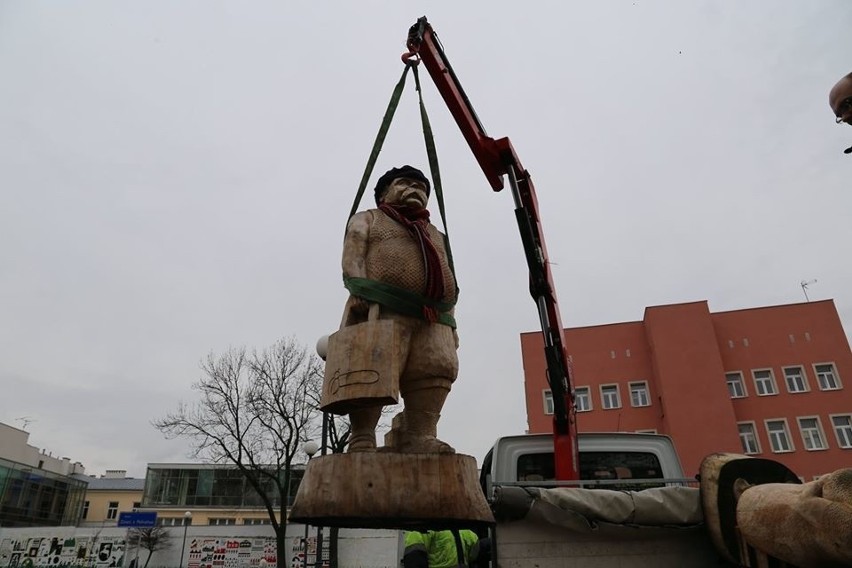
(642,512)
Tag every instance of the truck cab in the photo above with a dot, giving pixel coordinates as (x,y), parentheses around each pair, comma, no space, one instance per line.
(606,459)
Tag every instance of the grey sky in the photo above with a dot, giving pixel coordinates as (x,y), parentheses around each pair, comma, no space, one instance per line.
(175,178)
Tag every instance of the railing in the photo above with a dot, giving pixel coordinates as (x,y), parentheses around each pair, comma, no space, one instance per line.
(618,484)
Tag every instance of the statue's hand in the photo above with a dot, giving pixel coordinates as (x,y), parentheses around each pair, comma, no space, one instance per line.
(356,311)
(359,307)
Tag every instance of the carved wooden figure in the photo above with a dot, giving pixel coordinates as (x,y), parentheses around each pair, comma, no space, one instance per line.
(397,337)
(398,330)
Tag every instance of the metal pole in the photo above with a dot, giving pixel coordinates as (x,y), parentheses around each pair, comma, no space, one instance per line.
(324,447)
(305,546)
(186,519)
(319,563)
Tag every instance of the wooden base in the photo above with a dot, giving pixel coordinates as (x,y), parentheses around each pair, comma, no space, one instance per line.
(391,491)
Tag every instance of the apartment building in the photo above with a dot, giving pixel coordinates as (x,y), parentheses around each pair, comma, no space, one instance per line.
(765,381)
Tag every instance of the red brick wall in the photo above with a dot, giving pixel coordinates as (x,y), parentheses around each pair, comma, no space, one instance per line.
(683,352)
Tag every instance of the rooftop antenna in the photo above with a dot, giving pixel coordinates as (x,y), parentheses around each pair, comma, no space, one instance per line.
(25,420)
(804,284)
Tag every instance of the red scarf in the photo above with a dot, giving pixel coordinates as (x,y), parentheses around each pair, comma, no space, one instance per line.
(416,222)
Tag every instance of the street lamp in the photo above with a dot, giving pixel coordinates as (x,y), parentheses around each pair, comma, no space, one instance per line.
(322,351)
(187,518)
(310,448)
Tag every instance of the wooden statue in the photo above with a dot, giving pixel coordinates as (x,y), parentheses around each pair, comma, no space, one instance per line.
(401,284)
(759,514)
(397,337)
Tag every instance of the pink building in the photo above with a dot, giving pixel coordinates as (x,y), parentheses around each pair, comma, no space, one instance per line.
(763,381)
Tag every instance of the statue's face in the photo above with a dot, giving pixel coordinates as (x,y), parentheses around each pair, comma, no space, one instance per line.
(406,191)
(840,100)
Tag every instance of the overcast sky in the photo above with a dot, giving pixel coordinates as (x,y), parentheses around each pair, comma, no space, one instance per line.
(175,178)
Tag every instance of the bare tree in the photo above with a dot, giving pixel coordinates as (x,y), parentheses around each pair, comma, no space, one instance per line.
(254,413)
(151,539)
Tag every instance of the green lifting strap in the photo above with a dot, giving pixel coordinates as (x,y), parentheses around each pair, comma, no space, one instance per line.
(430,152)
(380,139)
(402,300)
(433,165)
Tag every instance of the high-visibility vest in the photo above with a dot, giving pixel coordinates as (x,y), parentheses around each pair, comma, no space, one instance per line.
(440,547)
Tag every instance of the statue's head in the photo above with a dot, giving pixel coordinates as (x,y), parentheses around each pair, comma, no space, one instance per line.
(840,99)
(403,186)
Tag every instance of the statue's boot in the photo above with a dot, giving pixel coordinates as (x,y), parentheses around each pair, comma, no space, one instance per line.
(363,423)
(418,426)
(392,435)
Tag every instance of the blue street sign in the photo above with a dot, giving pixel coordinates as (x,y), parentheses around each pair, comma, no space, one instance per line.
(137,519)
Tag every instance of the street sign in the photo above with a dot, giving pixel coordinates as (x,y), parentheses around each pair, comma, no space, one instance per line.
(137,519)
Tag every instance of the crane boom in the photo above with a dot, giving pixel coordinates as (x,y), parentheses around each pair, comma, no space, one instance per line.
(498,158)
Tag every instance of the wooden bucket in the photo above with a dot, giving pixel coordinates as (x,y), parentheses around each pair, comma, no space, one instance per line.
(362,366)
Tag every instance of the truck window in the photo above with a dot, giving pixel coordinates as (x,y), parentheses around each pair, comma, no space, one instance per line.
(594,465)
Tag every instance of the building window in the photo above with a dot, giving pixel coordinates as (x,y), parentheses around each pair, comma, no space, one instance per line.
(137,505)
(827,377)
(582,399)
(85,509)
(609,397)
(843,430)
(221,522)
(736,386)
(779,436)
(548,402)
(795,379)
(112,510)
(764,382)
(639,394)
(748,438)
(257,522)
(812,434)
(174,521)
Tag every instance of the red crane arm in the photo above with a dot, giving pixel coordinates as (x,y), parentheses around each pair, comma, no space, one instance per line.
(498,158)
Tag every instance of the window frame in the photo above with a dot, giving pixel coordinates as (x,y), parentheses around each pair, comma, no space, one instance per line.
(757,381)
(806,387)
(645,389)
(112,510)
(835,375)
(819,430)
(847,427)
(754,434)
(588,397)
(617,396)
(547,401)
(740,380)
(789,437)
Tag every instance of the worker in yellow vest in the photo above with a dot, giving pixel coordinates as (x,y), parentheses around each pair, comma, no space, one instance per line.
(441,549)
